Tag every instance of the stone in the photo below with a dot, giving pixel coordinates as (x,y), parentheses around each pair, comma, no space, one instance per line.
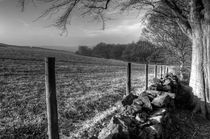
(167,82)
(116,129)
(167,88)
(128,100)
(164,88)
(152,87)
(146,101)
(172,95)
(158,112)
(129,111)
(142,102)
(156,119)
(142,117)
(139,119)
(138,101)
(125,121)
(156,81)
(152,94)
(93,137)
(142,135)
(151,132)
(136,108)
(154,131)
(161,100)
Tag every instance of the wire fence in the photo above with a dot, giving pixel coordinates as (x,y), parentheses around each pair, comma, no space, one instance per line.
(83,90)
(19,67)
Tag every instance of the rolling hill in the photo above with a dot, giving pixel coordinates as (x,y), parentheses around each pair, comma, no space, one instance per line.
(88,90)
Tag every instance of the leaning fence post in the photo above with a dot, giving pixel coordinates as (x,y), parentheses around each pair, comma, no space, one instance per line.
(51,98)
(161,71)
(146,72)
(155,71)
(128,86)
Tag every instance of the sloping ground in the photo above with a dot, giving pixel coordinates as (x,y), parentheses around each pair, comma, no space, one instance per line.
(28,53)
(87,89)
(180,123)
(92,127)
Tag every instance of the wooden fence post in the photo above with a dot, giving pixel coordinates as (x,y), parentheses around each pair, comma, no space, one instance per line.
(164,69)
(167,70)
(155,71)
(161,71)
(146,72)
(128,86)
(51,101)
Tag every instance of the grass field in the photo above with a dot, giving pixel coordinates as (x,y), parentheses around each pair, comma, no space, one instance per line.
(88,91)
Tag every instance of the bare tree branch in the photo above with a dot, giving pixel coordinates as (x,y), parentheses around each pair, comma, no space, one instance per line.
(166,33)
(182,20)
(100,7)
(63,20)
(89,6)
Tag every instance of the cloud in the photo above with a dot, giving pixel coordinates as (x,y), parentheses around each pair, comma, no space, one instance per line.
(25,24)
(123,33)
(121,29)
(2,29)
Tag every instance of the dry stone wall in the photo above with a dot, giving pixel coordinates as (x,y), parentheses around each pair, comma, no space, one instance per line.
(147,115)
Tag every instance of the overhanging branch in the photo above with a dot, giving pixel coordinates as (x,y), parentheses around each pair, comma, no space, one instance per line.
(100,7)
(182,20)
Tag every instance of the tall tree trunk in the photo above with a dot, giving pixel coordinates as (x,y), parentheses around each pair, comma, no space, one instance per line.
(181,68)
(200,67)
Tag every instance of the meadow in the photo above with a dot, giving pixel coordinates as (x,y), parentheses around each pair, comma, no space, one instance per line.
(88,91)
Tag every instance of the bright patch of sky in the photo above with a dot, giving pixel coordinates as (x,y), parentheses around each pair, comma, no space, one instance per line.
(19,28)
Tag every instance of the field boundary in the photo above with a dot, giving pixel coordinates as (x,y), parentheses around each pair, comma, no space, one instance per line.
(51,91)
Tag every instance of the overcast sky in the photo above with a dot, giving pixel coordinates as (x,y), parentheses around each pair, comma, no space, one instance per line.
(19,28)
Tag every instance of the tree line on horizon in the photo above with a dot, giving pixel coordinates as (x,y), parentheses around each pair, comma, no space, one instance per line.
(141,52)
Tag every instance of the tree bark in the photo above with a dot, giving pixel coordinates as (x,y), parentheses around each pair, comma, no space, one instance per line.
(181,68)
(200,67)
